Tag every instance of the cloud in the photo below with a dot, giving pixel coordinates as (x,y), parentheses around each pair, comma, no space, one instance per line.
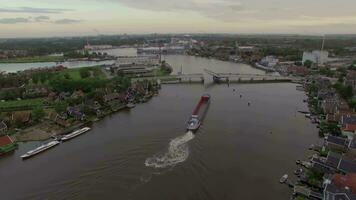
(67,21)
(38,19)
(14,20)
(42,19)
(226,10)
(34,10)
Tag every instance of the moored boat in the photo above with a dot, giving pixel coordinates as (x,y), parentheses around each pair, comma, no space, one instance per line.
(40,149)
(75,134)
(284,178)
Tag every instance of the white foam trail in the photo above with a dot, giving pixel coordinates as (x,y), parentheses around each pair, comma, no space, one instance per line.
(178,151)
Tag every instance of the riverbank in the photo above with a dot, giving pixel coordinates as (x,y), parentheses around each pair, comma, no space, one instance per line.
(34,59)
(55,59)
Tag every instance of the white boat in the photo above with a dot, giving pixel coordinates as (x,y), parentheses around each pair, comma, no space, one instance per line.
(40,149)
(75,134)
(284,178)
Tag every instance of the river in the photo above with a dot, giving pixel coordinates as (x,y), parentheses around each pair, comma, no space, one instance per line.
(240,152)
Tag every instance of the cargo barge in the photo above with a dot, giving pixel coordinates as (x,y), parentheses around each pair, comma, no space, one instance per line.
(199,113)
(40,149)
(75,134)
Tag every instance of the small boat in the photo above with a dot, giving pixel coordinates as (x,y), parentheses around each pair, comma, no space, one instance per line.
(40,149)
(298,171)
(75,134)
(284,178)
(130,105)
(298,162)
(308,115)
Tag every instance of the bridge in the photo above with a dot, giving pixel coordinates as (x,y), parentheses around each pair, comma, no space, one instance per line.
(220,78)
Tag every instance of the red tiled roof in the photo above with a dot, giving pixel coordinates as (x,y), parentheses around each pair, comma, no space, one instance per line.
(349,180)
(349,127)
(5,140)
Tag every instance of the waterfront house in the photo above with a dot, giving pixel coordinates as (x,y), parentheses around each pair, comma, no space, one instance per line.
(95,107)
(336,117)
(334,162)
(3,127)
(111,97)
(58,119)
(76,113)
(349,130)
(340,187)
(329,105)
(326,94)
(347,121)
(338,144)
(6,144)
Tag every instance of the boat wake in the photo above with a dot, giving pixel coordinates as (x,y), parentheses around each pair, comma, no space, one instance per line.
(178,151)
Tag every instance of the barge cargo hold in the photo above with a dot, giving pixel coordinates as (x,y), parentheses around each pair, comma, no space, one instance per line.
(75,134)
(199,113)
(40,149)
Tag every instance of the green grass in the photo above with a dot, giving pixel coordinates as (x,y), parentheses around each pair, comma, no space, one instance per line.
(21,103)
(160,72)
(75,73)
(33,59)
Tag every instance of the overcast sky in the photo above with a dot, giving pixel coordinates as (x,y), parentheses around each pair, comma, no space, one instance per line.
(38,18)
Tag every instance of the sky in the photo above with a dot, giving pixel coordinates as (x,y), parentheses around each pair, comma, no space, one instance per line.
(48,18)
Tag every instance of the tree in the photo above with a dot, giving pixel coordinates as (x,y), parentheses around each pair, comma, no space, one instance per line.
(66,76)
(60,107)
(308,63)
(37,113)
(84,73)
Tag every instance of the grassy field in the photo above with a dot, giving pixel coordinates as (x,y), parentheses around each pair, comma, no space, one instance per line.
(75,72)
(21,103)
(160,72)
(33,59)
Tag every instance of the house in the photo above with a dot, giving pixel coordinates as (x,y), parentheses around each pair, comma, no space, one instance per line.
(336,143)
(35,92)
(327,94)
(334,162)
(23,117)
(349,130)
(336,117)
(95,107)
(6,144)
(347,119)
(76,113)
(350,79)
(3,127)
(77,94)
(297,70)
(58,119)
(111,97)
(329,105)
(340,187)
